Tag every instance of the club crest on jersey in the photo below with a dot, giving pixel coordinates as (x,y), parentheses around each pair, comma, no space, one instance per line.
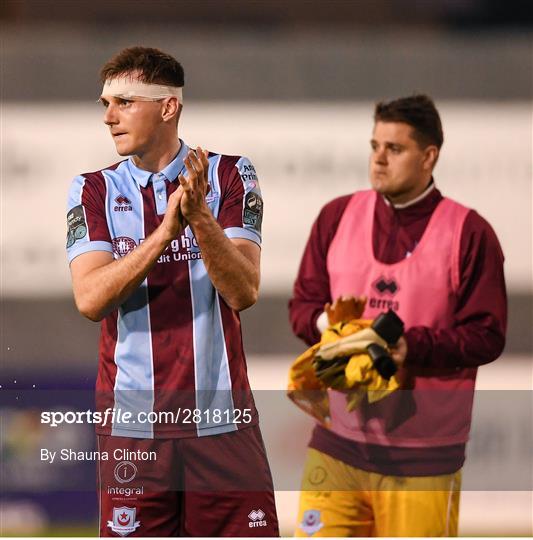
(122,245)
(311,522)
(123,521)
(123,204)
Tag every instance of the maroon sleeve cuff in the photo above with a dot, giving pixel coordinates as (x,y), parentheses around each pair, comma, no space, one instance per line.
(418,347)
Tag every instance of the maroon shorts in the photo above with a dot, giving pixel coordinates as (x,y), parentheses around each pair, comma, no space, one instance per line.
(207,486)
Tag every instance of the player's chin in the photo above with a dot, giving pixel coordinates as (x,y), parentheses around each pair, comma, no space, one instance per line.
(379,184)
(123,149)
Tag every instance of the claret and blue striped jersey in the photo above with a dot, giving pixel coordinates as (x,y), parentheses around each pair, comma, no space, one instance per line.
(174,346)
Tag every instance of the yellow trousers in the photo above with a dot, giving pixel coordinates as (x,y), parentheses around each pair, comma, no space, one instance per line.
(340,500)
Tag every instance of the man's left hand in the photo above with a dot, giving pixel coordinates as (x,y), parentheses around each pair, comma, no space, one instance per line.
(345,308)
(399,352)
(195,185)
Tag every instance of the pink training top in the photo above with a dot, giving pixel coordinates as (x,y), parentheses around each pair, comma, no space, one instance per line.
(436,406)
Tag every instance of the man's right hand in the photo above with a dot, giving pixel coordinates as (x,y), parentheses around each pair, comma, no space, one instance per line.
(101,284)
(345,308)
(173,222)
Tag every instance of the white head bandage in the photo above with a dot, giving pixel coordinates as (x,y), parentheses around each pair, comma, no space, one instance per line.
(127,88)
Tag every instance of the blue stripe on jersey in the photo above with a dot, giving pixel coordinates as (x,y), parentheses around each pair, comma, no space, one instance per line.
(134,383)
(211,366)
(170,172)
(82,245)
(247,234)
(160,194)
(128,224)
(96,245)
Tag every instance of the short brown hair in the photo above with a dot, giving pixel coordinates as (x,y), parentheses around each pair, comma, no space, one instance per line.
(419,112)
(152,65)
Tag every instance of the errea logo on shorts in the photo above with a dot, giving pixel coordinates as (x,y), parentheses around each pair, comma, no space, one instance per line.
(257,520)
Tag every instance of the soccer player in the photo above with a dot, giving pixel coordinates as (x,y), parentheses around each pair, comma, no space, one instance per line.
(164,249)
(393,467)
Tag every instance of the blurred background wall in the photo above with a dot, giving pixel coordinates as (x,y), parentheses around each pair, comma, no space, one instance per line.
(291,85)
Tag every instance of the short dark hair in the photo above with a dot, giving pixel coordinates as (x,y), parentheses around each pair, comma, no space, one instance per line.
(419,112)
(152,65)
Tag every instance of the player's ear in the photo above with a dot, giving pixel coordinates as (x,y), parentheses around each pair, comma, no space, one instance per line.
(171,109)
(431,154)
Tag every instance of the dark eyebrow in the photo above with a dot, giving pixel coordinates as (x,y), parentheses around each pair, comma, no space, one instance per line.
(397,145)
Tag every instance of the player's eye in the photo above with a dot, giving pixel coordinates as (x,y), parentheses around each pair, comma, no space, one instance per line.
(125,102)
(104,103)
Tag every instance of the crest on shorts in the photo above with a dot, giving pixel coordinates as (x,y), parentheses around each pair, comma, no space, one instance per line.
(124,521)
(311,522)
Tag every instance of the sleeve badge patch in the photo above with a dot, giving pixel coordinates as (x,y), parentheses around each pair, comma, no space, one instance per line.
(253,210)
(76,225)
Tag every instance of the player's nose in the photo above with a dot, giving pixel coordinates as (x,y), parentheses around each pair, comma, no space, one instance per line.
(110,115)
(380,156)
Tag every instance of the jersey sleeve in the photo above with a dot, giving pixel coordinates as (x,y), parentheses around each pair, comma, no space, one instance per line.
(312,288)
(241,210)
(87,228)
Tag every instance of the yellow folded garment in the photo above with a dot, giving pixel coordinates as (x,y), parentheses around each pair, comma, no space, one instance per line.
(356,342)
(305,389)
(341,362)
(363,379)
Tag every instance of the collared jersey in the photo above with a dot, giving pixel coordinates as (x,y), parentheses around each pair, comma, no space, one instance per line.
(174,345)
